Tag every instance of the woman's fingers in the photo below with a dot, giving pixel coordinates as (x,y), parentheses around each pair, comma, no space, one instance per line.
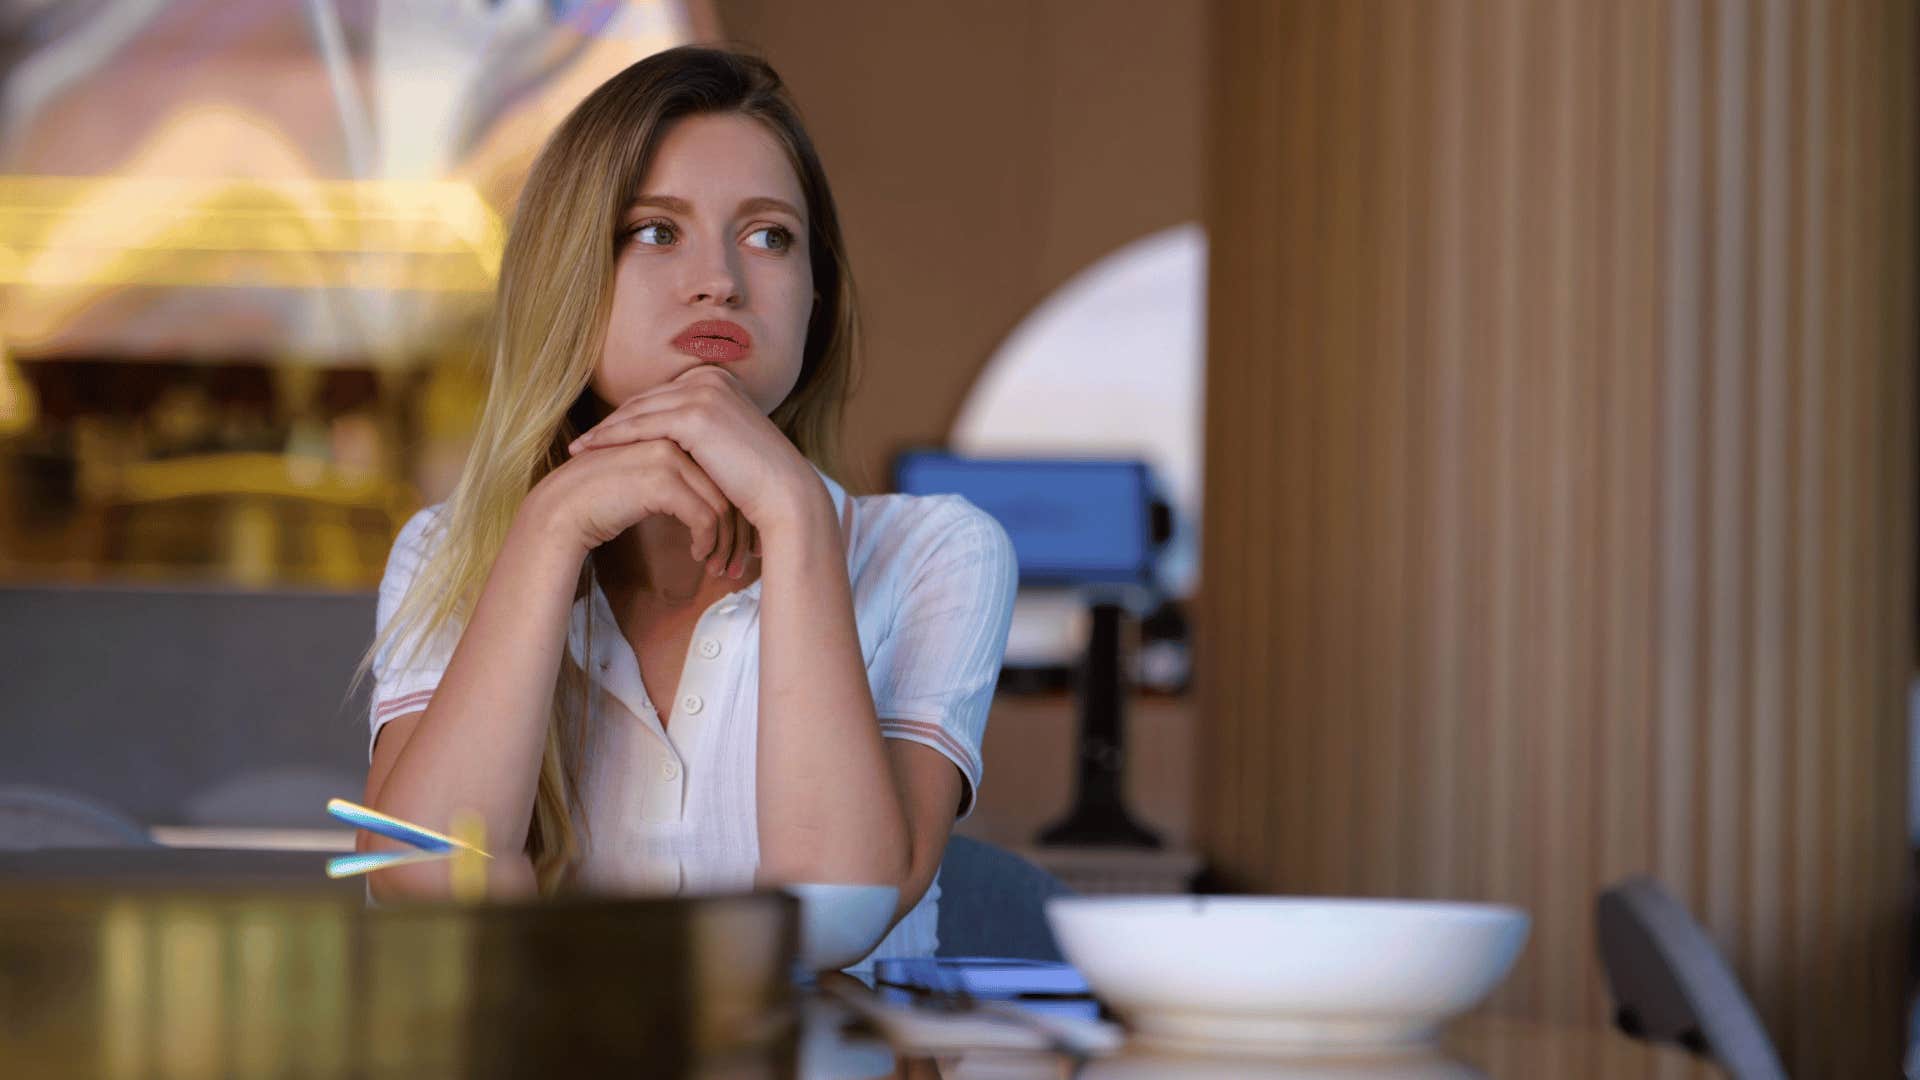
(645,416)
(740,540)
(720,536)
(738,564)
(716,563)
(596,434)
(720,511)
(732,535)
(684,502)
(630,429)
(717,566)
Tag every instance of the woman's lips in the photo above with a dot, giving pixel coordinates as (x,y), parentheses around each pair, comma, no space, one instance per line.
(716,349)
(714,340)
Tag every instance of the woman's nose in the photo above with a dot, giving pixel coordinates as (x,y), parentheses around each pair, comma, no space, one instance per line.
(715,279)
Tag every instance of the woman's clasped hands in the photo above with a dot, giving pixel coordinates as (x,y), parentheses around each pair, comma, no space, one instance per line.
(695,448)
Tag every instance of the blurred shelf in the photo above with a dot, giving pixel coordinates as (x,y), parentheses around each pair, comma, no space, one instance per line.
(245,839)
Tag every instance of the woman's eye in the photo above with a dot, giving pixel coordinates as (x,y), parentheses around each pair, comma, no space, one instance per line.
(649,232)
(778,238)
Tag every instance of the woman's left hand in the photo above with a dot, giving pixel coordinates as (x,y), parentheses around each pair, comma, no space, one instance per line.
(707,413)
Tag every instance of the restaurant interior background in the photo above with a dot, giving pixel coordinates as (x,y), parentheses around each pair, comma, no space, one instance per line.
(1557,464)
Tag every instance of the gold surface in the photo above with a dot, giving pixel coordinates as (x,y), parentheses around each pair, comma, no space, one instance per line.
(147,983)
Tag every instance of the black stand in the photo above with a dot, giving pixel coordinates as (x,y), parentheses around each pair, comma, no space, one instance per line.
(1098,817)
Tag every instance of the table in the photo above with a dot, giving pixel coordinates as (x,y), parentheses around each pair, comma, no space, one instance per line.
(701,962)
(1481,1047)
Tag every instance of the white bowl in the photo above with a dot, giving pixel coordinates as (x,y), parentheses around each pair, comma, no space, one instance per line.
(1263,974)
(841,924)
(1418,1064)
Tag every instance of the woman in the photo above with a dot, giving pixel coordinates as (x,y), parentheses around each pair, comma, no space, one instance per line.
(648,640)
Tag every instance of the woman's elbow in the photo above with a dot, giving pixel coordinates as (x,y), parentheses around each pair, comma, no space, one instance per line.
(914,879)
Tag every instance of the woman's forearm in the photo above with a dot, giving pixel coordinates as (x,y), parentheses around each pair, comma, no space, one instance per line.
(827,807)
(478,745)
(509,876)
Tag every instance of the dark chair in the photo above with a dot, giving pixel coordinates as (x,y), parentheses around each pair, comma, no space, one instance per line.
(1669,983)
(35,817)
(993,903)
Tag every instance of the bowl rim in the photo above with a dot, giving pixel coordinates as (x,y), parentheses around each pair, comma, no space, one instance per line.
(1196,904)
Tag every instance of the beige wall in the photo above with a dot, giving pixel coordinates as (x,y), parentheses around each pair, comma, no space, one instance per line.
(1571,390)
(981,153)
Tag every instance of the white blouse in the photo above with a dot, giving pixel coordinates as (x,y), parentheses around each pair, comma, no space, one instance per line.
(933,580)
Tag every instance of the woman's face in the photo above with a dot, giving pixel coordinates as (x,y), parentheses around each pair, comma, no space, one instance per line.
(716,233)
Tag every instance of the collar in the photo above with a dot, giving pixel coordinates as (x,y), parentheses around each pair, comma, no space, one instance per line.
(834,489)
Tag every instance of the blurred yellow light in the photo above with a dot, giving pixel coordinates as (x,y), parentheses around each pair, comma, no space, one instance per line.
(434,235)
(18,405)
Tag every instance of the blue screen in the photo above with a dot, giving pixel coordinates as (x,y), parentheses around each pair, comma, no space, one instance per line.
(1070,521)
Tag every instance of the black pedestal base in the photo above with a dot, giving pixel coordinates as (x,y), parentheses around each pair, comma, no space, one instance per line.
(1099,826)
(1099,817)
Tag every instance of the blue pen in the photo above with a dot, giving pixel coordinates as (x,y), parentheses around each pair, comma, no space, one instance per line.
(393,828)
(365,862)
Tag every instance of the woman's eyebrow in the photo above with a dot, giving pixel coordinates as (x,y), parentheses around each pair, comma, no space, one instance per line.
(757,204)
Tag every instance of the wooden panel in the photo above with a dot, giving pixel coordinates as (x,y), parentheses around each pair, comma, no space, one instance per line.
(981,155)
(1560,477)
(1028,766)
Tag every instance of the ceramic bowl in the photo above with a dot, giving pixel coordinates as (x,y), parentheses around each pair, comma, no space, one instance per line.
(1284,973)
(841,924)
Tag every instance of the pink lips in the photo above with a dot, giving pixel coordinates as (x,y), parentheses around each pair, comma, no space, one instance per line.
(716,340)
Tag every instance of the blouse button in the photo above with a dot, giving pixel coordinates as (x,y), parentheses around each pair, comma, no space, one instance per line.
(669,770)
(709,648)
(692,704)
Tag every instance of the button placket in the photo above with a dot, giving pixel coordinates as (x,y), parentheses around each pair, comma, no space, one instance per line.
(706,646)
(665,798)
(683,743)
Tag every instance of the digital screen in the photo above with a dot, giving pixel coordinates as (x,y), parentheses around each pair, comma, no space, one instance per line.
(1070,521)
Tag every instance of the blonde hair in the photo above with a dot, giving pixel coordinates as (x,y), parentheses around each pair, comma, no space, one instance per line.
(545,336)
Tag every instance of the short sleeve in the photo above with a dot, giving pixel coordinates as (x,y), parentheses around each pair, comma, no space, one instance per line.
(933,674)
(404,677)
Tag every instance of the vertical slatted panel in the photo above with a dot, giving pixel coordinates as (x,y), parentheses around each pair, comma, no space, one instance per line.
(1768,579)
(1813,871)
(1901,283)
(1560,476)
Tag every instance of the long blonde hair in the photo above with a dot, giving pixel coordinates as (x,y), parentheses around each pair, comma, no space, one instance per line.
(544,339)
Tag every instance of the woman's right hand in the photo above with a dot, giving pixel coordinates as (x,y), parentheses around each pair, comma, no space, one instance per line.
(601,493)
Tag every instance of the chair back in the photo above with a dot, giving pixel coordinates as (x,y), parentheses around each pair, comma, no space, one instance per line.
(32,818)
(993,903)
(1670,984)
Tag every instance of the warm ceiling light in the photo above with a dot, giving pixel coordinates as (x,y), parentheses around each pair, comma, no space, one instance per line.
(429,235)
